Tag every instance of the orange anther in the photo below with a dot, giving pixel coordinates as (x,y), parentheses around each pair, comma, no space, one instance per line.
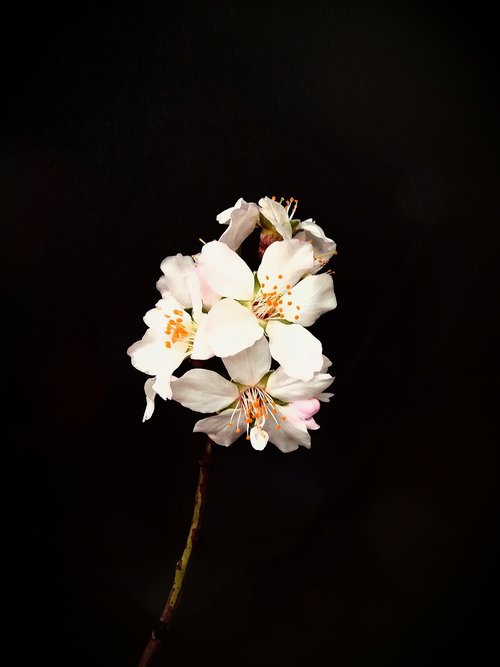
(296,317)
(177,311)
(298,307)
(280,276)
(168,344)
(289,303)
(238,430)
(289,287)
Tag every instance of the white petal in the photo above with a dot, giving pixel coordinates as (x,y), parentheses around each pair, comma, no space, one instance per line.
(209,297)
(179,279)
(288,259)
(277,216)
(225,217)
(150,355)
(290,435)
(243,222)
(204,391)
(310,298)
(325,396)
(150,398)
(201,348)
(250,365)
(288,389)
(258,438)
(230,328)
(217,428)
(225,271)
(162,382)
(157,318)
(324,248)
(295,349)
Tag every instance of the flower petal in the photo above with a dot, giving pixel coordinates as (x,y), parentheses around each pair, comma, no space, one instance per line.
(150,355)
(204,391)
(277,216)
(150,398)
(230,328)
(258,438)
(325,396)
(201,348)
(310,298)
(179,280)
(250,365)
(324,248)
(243,221)
(225,217)
(290,435)
(225,271)
(288,259)
(217,428)
(295,349)
(288,389)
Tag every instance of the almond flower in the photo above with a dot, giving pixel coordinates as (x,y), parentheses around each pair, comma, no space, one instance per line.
(263,405)
(279,301)
(277,223)
(173,327)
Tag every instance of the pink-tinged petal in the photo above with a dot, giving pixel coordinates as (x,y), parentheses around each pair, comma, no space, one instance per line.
(295,349)
(150,398)
(277,216)
(288,389)
(201,348)
(208,296)
(258,438)
(230,328)
(305,409)
(225,272)
(202,390)
(284,263)
(250,365)
(179,280)
(243,222)
(218,428)
(310,298)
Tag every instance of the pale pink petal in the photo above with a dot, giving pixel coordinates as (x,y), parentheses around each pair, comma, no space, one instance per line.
(250,365)
(310,298)
(202,390)
(230,328)
(277,216)
(209,297)
(295,349)
(284,263)
(225,271)
(218,428)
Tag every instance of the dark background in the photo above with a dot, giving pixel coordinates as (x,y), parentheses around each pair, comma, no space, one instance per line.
(128,131)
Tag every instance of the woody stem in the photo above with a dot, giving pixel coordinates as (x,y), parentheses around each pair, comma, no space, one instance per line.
(162,625)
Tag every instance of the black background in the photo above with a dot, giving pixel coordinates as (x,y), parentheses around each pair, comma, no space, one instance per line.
(128,131)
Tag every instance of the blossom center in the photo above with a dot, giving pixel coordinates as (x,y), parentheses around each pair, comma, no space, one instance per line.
(254,405)
(273,298)
(180,328)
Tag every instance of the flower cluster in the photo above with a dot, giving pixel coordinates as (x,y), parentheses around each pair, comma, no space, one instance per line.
(213,304)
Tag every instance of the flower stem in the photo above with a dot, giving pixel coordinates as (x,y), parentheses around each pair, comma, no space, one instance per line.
(162,625)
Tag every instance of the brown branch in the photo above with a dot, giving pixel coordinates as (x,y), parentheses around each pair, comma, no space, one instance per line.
(162,625)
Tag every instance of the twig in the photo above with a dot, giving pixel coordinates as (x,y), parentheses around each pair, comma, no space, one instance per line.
(162,625)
